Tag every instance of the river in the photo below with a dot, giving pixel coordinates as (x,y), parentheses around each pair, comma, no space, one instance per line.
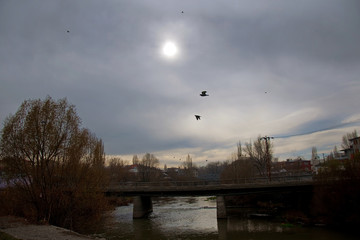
(195,218)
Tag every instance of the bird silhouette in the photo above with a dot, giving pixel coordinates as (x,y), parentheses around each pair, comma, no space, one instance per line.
(197,117)
(67,31)
(203,94)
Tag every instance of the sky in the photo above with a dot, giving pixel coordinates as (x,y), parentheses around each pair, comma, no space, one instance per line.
(285,69)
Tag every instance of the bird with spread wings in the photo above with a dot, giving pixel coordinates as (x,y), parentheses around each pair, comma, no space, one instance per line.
(203,94)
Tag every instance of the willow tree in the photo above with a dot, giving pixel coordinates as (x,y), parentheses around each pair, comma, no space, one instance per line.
(56,166)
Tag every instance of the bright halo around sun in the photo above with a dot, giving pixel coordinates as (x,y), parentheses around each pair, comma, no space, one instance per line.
(170,49)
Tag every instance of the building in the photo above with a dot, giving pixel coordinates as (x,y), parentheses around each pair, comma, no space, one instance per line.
(292,167)
(133,168)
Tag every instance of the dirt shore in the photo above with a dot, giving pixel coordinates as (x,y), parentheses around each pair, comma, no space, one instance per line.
(21,229)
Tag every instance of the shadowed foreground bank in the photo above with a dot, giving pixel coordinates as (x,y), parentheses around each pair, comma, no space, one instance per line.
(21,229)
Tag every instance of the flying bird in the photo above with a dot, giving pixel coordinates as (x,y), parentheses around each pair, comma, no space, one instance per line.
(203,94)
(197,117)
(67,31)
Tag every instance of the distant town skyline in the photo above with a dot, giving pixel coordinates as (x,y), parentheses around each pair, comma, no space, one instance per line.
(135,69)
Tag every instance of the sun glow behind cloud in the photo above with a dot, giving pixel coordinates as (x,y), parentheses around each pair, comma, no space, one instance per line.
(170,49)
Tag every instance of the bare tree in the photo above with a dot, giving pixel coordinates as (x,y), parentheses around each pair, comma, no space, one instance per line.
(346,139)
(135,160)
(239,150)
(148,166)
(315,159)
(150,161)
(239,167)
(314,154)
(238,170)
(188,164)
(336,152)
(189,168)
(116,170)
(259,152)
(52,161)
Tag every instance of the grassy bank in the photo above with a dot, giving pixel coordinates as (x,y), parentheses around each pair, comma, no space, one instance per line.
(5,236)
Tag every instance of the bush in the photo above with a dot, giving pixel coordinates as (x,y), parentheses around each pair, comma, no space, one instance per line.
(337,194)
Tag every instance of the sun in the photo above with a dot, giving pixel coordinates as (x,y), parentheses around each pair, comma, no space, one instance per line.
(170,49)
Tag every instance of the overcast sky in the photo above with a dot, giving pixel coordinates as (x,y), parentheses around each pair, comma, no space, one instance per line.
(287,69)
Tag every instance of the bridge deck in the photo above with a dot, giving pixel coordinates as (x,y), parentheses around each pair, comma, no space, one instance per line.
(203,188)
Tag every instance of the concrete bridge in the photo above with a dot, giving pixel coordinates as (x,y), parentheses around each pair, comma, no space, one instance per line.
(143,191)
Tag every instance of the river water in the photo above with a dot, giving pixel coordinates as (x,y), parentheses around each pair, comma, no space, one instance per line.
(195,218)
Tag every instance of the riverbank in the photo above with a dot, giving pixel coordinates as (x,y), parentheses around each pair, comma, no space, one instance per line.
(20,229)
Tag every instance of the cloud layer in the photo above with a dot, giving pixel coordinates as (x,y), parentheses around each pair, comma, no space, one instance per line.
(283,69)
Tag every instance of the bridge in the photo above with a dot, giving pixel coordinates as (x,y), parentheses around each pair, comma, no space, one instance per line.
(143,191)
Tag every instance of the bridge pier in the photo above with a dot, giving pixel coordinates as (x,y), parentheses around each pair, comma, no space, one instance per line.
(221,207)
(142,206)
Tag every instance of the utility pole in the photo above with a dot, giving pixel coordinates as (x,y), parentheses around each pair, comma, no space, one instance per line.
(267,155)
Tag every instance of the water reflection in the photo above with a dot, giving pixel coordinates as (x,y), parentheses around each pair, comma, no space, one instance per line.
(248,225)
(233,228)
(195,218)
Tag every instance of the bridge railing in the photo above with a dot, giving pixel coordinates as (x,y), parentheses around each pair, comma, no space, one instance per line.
(239,181)
(274,179)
